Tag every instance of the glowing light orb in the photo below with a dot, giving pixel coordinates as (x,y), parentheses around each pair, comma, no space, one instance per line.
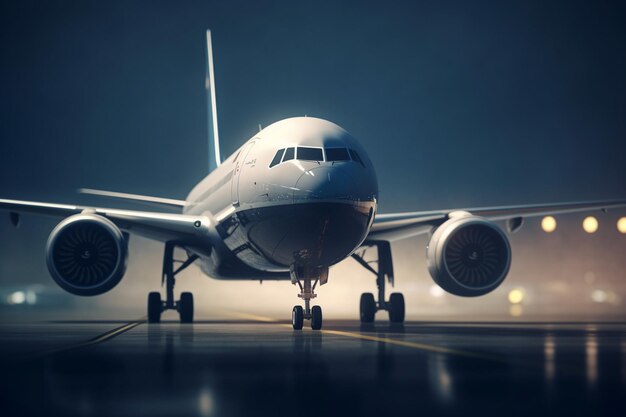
(18,297)
(516,296)
(621,225)
(590,224)
(548,224)
(599,296)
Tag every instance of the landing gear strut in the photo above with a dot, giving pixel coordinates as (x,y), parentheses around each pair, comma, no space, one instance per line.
(307,279)
(384,272)
(184,306)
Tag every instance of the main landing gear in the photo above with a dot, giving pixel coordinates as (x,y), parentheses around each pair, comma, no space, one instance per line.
(384,272)
(304,277)
(184,306)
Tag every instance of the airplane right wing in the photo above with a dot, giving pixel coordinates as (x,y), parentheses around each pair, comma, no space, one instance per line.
(397,226)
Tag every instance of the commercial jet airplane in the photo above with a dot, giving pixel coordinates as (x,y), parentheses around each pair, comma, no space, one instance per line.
(298,197)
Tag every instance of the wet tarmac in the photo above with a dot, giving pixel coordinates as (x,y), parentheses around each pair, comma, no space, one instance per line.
(258,366)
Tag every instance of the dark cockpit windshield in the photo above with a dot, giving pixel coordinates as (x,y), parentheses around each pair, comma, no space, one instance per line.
(337,154)
(309,154)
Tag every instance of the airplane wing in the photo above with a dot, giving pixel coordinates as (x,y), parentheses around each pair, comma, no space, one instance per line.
(168,203)
(397,226)
(153,225)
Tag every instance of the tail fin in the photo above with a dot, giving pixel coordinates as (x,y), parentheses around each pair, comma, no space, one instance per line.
(215,159)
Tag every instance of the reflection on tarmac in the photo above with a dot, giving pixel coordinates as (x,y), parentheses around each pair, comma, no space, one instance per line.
(549,351)
(217,368)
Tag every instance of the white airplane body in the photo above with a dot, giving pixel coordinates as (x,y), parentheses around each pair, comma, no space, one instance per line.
(295,199)
(312,208)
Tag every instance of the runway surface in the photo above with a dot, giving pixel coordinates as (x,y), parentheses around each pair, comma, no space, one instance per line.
(250,365)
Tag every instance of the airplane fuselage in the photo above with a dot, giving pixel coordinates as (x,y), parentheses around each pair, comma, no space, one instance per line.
(300,193)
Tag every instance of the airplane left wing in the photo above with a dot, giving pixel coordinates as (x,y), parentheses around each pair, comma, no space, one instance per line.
(397,226)
(153,225)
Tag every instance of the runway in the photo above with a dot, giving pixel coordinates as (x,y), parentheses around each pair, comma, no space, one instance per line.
(250,365)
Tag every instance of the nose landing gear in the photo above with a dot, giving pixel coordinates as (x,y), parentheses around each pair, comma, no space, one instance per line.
(307,279)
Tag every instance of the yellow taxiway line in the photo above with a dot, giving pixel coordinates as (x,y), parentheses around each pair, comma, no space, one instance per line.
(413,345)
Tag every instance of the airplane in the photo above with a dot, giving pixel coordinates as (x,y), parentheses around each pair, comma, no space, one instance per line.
(298,197)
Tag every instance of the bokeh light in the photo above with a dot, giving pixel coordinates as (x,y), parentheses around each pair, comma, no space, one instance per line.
(590,224)
(516,296)
(598,296)
(621,225)
(548,224)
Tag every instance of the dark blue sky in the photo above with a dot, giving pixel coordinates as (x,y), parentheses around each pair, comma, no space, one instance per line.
(459,103)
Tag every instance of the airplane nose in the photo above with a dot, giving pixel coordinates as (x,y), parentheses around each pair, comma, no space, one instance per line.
(323,183)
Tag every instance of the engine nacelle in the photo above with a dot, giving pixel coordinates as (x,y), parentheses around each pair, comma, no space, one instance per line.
(86,254)
(468,255)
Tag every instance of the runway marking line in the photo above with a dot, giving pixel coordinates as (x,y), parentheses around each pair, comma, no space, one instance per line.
(413,345)
(403,343)
(93,341)
(254,317)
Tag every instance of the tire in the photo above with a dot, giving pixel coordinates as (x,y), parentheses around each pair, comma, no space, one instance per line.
(396,308)
(154,307)
(297,317)
(185,307)
(316,318)
(367,307)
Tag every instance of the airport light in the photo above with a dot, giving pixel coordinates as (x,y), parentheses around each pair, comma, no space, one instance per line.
(548,224)
(599,296)
(516,296)
(621,225)
(18,297)
(590,224)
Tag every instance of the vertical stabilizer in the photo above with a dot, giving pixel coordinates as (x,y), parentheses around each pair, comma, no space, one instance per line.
(214,140)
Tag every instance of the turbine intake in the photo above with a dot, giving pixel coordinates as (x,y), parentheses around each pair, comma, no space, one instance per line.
(468,255)
(86,254)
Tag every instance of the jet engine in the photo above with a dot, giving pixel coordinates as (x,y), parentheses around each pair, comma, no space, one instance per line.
(468,255)
(86,254)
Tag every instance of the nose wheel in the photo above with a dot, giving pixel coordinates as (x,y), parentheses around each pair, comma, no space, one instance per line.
(316,318)
(303,278)
(297,317)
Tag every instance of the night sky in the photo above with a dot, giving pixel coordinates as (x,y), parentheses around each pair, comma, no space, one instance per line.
(459,103)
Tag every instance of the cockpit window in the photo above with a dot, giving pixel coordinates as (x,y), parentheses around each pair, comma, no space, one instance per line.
(337,154)
(289,154)
(277,157)
(310,154)
(355,157)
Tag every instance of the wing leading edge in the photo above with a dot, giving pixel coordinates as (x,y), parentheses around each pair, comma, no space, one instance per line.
(397,226)
(153,225)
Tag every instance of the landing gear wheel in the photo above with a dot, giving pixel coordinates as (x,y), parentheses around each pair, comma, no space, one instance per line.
(316,318)
(154,307)
(396,308)
(367,307)
(297,317)
(185,307)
